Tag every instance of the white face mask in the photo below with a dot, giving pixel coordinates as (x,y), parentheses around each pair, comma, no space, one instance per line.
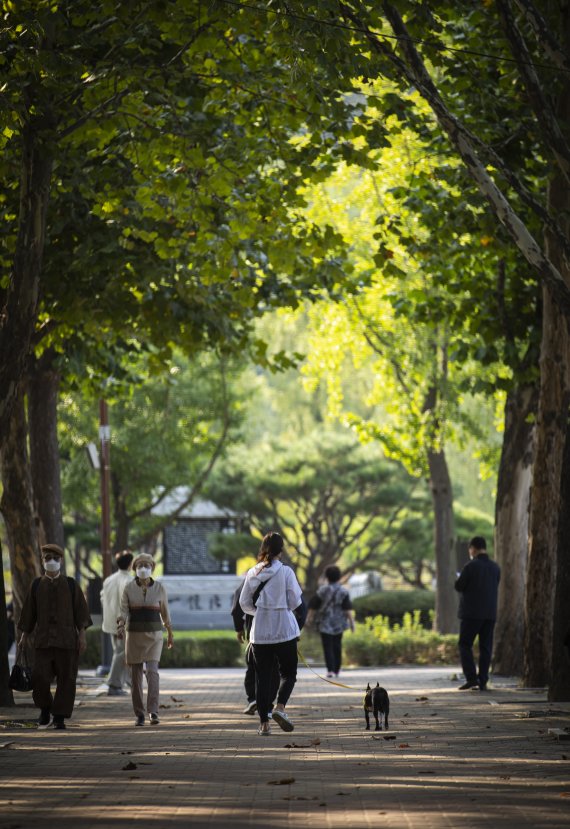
(144,572)
(52,566)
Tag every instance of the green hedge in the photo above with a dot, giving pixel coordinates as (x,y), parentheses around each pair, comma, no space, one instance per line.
(376,642)
(204,649)
(393,604)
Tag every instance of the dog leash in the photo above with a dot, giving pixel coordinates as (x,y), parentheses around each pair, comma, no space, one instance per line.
(324,678)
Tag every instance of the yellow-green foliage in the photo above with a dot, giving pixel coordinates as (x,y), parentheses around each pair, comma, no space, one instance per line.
(376,642)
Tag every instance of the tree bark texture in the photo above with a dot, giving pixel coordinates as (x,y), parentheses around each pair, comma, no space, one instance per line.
(16,506)
(545,494)
(511,527)
(446,601)
(6,695)
(43,394)
(559,686)
(18,315)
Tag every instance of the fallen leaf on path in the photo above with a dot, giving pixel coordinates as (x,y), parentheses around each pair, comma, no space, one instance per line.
(165,706)
(343,794)
(285,782)
(404,745)
(426,771)
(129,767)
(7,745)
(297,745)
(316,741)
(175,699)
(421,699)
(564,794)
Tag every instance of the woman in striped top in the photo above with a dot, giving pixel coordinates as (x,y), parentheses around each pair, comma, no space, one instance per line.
(144,612)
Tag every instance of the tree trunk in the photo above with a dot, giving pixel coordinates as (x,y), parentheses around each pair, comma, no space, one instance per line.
(18,316)
(445,597)
(511,527)
(545,494)
(43,393)
(6,695)
(16,506)
(559,686)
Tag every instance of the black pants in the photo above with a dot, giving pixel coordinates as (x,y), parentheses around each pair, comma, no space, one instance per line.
(468,630)
(50,663)
(332,648)
(249,681)
(265,655)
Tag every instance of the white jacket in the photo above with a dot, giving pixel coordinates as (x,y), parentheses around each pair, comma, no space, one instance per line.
(273,617)
(111,596)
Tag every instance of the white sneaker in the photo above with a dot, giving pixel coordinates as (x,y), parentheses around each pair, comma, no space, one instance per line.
(282,720)
(250,708)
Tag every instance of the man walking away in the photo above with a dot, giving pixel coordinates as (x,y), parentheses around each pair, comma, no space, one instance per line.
(56,610)
(111,596)
(478,584)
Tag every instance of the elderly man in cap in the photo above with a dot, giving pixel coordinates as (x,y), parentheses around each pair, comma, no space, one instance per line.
(54,610)
(144,611)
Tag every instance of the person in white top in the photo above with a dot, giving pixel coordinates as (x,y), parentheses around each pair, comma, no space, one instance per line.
(270,594)
(111,594)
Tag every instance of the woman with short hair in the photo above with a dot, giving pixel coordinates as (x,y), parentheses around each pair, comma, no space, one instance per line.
(144,612)
(334,608)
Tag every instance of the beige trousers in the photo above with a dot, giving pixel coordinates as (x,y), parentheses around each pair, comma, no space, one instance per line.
(151,672)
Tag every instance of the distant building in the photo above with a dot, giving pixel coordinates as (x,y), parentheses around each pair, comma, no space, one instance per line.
(200,587)
(361,584)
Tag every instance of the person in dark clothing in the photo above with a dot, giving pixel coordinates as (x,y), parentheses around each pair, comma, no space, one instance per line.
(56,611)
(333,605)
(478,584)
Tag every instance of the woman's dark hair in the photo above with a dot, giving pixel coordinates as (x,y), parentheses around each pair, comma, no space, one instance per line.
(332,574)
(270,548)
(124,559)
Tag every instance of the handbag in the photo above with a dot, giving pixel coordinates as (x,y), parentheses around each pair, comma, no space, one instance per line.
(21,675)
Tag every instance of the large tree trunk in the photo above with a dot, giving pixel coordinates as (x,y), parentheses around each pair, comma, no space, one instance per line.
(559,686)
(6,695)
(545,494)
(43,393)
(18,315)
(511,527)
(445,597)
(16,506)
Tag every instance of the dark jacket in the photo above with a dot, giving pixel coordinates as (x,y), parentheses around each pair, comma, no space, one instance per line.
(478,584)
(55,612)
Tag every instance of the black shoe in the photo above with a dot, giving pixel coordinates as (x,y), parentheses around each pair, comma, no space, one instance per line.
(44,720)
(153,719)
(116,692)
(140,719)
(467,685)
(59,723)
(483,687)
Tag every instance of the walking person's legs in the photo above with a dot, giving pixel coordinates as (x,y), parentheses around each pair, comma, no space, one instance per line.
(137,691)
(288,659)
(336,646)
(328,651)
(468,630)
(42,674)
(485,651)
(117,671)
(263,656)
(153,689)
(66,663)
(249,682)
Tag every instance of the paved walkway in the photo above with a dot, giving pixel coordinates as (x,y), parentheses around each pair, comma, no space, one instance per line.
(451,759)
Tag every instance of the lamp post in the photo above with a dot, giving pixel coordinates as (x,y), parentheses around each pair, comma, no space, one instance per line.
(105,528)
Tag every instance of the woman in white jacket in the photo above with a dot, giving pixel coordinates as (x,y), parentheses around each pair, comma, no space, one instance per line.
(270,594)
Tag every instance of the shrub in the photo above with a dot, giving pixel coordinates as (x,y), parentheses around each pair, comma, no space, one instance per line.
(376,642)
(216,649)
(393,604)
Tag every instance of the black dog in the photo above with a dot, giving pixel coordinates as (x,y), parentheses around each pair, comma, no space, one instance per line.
(377,701)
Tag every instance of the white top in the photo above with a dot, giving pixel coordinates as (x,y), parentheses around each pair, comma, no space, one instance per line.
(111,595)
(273,617)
